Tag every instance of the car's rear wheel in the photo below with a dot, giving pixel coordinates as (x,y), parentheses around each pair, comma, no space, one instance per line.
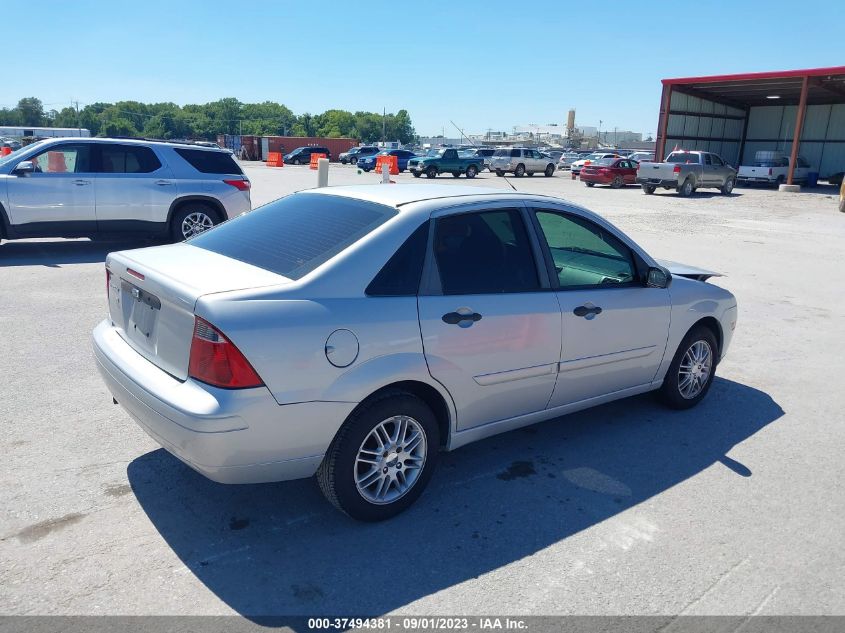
(617,182)
(692,369)
(382,458)
(431,172)
(416,174)
(472,171)
(728,187)
(456,174)
(519,172)
(590,184)
(648,189)
(192,219)
(500,173)
(550,170)
(686,188)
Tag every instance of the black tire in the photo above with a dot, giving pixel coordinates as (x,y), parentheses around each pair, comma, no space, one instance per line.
(519,172)
(779,181)
(337,470)
(728,187)
(182,213)
(550,170)
(670,392)
(456,174)
(648,189)
(416,174)
(590,184)
(472,171)
(686,189)
(617,182)
(431,172)
(500,173)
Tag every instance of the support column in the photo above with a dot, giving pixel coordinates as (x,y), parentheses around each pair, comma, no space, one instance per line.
(799,123)
(663,123)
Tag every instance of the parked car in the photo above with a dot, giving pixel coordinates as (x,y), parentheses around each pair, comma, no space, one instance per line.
(355,153)
(83,187)
(687,171)
(842,196)
(641,157)
(484,154)
(578,164)
(772,170)
(521,161)
(402,157)
(616,172)
(554,154)
(444,160)
(566,160)
(355,333)
(302,155)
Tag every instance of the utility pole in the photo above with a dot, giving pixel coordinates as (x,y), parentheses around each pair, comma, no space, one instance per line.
(598,136)
(78,126)
(383,117)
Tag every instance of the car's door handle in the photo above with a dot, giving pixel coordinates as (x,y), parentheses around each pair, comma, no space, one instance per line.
(464,319)
(163,183)
(80,182)
(587,311)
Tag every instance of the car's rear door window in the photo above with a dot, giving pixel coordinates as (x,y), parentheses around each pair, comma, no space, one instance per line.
(209,161)
(296,234)
(484,252)
(127,159)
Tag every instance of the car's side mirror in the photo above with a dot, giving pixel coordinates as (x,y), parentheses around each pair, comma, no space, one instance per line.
(658,278)
(24,167)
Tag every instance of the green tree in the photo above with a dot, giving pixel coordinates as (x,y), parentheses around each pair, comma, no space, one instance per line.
(31,112)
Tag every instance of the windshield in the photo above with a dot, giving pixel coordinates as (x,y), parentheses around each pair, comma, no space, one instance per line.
(16,155)
(295,235)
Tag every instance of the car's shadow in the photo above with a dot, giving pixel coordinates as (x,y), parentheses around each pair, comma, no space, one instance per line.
(280,550)
(57,253)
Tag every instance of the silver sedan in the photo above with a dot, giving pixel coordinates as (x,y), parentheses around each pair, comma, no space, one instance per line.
(355,333)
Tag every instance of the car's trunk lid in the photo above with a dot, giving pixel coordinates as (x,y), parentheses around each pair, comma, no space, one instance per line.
(153,291)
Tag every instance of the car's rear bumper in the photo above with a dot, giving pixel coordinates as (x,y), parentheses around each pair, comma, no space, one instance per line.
(228,435)
(596,178)
(657,182)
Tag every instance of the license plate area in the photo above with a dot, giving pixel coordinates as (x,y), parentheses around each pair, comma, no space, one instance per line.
(143,308)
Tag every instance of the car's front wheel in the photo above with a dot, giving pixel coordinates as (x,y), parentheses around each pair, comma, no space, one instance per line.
(692,370)
(382,458)
(192,219)
(728,187)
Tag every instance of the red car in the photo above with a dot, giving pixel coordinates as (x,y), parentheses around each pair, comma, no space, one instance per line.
(615,172)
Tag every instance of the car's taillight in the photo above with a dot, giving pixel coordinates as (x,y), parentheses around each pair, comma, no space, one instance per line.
(770,171)
(240,185)
(216,361)
(676,169)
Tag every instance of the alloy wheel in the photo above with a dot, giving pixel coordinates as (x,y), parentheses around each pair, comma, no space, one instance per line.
(196,223)
(390,459)
(694,371)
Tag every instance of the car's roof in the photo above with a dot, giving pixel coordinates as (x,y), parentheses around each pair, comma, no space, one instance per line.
(136,141)
(399,195)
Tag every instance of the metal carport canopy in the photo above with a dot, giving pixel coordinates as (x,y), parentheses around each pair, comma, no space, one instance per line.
(813,86)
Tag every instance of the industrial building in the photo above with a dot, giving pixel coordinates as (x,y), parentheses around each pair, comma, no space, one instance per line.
(797,112)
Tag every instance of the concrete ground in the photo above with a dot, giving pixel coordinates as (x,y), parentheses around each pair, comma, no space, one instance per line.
(735,507)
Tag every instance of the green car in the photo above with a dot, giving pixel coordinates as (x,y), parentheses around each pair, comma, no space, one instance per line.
(444,161)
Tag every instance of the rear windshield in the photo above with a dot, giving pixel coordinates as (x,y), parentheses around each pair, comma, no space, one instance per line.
(682,157)
(605,162)
(296,234)
(209,162)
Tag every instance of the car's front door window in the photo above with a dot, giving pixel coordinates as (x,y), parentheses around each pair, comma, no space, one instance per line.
(63,159)
(584,254)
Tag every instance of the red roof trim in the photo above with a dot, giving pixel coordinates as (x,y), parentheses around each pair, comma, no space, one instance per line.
(778,74)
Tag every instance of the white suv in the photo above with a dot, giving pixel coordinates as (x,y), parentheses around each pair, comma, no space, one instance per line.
(521,161)
(82,187)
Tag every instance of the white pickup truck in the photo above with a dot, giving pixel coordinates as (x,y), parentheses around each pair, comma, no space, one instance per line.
(772,168)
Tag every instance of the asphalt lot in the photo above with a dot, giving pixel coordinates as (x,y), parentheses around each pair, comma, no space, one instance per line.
(735,507)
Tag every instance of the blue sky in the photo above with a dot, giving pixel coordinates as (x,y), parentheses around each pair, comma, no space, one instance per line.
(482,65)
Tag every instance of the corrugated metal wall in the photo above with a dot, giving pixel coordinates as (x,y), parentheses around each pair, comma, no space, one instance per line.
(822,136)
(696,123)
